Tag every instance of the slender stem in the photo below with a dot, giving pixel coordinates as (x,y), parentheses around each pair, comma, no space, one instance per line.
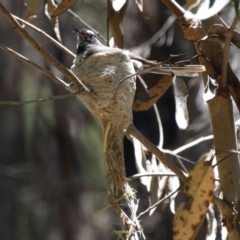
(15,103)
(157,203)
(88,26)
(155,174)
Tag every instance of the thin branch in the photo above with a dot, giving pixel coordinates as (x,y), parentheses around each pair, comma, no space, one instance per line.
(157,174)
(144,70)
(26,60)
(60,97)
(155,205)
(174,7)
(52,40)
(141,49)
(160,127)
(155,92)
(223,82)
(88,26)
(153,149)
(191,144)
(78,84)
(18,173)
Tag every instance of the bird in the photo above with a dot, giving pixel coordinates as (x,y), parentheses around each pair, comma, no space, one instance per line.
(88,44)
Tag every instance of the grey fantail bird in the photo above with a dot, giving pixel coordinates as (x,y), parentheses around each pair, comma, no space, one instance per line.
(88,44)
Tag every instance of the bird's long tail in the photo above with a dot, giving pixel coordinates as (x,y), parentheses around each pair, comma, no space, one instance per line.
(167,69)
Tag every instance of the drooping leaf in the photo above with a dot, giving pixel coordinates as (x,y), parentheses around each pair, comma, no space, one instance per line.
(139,4)
(49,8)
(199,186)
(180,96)
(62,7)
(140,161)
(117,4)
(236,6)
(210,89)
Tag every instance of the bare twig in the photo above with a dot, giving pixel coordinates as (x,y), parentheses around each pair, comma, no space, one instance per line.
(78,84)
(15,103)
(191,144)
(26,60)
(223,82)
(160,155)
(153,174)
(88,26)
(161,200)
(155,92)
(18,172)
(160,127)
(144,70)
(141,49)
(52,40)
(174,7)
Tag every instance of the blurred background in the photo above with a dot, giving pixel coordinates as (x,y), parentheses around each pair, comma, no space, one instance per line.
(52,171)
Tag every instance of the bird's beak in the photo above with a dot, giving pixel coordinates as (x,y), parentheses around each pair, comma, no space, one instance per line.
(78,34)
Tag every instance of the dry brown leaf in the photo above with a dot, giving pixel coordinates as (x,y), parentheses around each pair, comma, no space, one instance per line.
(62,7)
(49,8)
(33,6)
(199,186)
(30,15)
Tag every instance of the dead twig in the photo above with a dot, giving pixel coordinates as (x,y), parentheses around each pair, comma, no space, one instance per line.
(88,26)
(52,40)
(152,174)
(27,61)
(157,203)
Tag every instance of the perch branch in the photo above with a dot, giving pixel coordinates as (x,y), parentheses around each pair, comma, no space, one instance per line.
(78,84)
(26,60)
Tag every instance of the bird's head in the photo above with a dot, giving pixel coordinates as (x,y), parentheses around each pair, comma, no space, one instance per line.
(85,36)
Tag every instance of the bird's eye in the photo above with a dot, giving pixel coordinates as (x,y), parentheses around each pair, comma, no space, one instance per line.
(90,35)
